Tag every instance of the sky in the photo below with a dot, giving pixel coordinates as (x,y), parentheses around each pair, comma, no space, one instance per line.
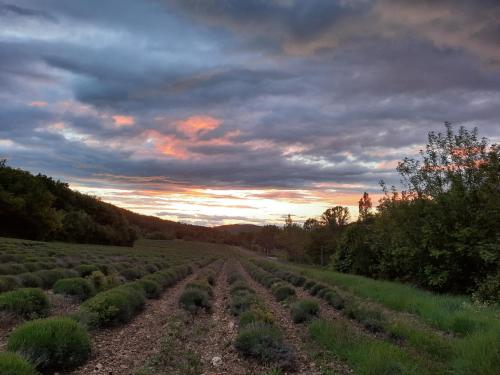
(217,112)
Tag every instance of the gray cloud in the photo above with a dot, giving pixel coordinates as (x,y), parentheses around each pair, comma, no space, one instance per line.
(307,92)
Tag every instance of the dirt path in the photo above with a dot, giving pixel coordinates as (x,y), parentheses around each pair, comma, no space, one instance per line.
(296,334)
(220,339)
(120,350)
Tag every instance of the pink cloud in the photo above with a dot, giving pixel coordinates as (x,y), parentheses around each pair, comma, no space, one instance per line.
(38,104)
(121,120)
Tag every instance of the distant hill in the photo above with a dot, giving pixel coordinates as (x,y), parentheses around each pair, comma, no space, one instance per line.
(239,228)
(41,208)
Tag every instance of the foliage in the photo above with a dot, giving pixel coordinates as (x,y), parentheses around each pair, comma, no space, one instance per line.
(265,343)
(282,291)
(114,306)
(194,299)
(53,343)
(76,286)
(304,310)
(25,302)
(14,364)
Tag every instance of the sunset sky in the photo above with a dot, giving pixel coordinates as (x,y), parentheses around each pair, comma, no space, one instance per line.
(216,112)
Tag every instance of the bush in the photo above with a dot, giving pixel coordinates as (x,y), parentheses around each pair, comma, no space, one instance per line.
(304,310)
(282,291)
(334,300)
(50,277)
(26,302)
(131,274)
(315,289)
(370,318)
(86,269)
(53,344)
(150,288)
(200,285)
(114,306)
(12,269)
(14,364)
(193,300)
(29,280)
(240,286)
(76,286)
(242,301)
(8,283)
(256,314)
(264,342)
(309,284)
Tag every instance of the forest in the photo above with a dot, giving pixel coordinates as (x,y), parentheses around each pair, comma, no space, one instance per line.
(41,208)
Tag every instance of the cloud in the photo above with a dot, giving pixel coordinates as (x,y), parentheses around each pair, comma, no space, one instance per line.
(310,106)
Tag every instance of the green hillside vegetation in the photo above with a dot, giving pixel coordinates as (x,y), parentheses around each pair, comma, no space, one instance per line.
(41,208)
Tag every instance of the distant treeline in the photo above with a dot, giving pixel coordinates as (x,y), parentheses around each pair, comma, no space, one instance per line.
(440,232)
(41,208)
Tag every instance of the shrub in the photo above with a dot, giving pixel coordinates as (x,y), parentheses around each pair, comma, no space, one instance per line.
(233,277)
(26,302)
(265,343)
(315,289)
(304,310)
(76,286)
(86,269)
(282,291)
(53,343)
(150,288)
(114,306)
(8,283)
(242,301)
(370,318)
(334,300)
(98,280)
(201,285)
(12,269)
(256,314)
(14,364)
(309,284)
(50,277)
(132,274)
(193,300)
(29,280)
(240,286)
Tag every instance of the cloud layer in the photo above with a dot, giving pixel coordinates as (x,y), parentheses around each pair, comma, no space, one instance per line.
(195,109)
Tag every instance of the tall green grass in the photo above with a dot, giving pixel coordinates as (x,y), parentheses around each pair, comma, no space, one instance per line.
(364,354)
(476,346)
(449,313)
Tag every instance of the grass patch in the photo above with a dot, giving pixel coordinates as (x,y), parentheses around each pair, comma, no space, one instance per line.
(366,356)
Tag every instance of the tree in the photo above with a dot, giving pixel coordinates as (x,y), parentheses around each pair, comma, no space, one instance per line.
(365,205)
(336,217)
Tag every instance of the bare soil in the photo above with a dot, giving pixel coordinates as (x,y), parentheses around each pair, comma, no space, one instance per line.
(219,342)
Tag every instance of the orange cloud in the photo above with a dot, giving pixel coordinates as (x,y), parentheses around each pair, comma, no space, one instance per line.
(38,104)
(195,125)
(121,120)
